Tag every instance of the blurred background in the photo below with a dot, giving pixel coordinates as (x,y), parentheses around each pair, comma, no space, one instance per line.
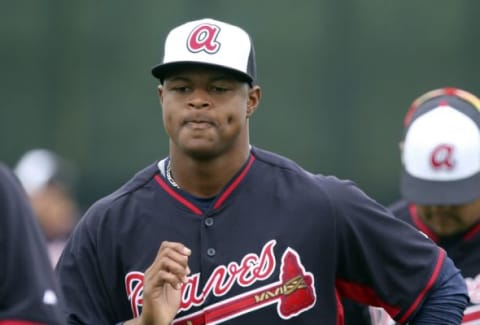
(337,79)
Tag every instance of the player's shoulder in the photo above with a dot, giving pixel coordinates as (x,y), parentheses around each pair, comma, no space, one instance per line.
(3,169)
(134,183)
(11,189)
(326,190)
(123,193)
(7,176)
(401,209)
(273,159)
(317,191)
(399,205)
(303,177)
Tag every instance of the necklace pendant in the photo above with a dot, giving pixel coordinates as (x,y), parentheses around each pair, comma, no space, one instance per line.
(170,177)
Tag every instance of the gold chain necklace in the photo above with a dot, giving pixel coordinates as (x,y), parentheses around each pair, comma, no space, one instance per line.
(170,177)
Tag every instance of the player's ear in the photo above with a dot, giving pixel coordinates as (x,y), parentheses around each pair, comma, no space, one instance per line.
(254,96)
(160,93)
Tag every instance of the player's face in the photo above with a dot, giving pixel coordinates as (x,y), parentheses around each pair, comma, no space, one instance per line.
(206,111)
(447,220)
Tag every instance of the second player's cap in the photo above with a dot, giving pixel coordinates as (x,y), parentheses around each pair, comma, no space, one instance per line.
(37,168)
(210,42)
(441,149)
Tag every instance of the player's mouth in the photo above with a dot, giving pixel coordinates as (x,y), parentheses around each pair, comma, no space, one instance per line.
(441,216)
(200,123)
(444,222)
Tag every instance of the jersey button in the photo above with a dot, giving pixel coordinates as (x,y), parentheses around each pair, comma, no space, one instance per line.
(211,252)
(209,222)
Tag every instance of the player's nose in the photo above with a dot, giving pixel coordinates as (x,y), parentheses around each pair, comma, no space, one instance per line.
(199,98)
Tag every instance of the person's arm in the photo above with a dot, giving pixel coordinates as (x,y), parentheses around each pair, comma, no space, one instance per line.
(384,262)
(449,290)
(447,300)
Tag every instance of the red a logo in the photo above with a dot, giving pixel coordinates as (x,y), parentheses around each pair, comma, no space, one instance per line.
(442,157)
(204,38)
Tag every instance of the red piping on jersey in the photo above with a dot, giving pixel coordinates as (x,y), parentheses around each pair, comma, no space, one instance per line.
(363,294)
(468,317)
(420,225)
(427,288)
(472,232)
(340,311)
(235,183)
(18,322)
(220,200)
(177,196)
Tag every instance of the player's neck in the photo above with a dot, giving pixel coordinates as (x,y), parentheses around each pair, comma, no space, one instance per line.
(204,178)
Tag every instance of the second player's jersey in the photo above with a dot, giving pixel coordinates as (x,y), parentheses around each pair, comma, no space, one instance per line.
(278,245)
(29,292)
(462,249)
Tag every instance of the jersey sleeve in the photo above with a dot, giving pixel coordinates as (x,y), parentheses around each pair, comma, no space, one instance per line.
(29,292)
(381,261)
(102,249)
(82,280)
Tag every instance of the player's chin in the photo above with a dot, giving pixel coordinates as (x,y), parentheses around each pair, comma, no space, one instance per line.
(445,227)
(201,150)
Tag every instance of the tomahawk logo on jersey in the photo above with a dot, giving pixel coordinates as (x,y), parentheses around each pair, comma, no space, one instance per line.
(293,292)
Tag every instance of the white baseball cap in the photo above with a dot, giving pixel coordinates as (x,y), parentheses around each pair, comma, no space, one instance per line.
(39,167)
(441,150)
(210,42)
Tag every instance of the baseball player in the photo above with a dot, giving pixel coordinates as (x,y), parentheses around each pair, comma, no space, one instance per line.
(29,292)
(222,232)
(440,182)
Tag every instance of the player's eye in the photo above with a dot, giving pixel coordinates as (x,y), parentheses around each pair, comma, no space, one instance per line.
(219,88)
(180,89)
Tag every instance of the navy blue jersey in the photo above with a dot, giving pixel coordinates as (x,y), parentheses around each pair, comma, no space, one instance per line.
(29,293)
(278,245)
(462,249)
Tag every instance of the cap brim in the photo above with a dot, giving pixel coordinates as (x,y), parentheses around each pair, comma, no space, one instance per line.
(161,71)
(427,192)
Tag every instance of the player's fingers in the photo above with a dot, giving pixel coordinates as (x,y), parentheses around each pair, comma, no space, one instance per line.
(176,252)
(164,271)
(173,267)
(172,258)
(161,278)
(174,246)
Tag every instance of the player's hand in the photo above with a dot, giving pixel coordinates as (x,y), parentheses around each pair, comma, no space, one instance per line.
(162,283)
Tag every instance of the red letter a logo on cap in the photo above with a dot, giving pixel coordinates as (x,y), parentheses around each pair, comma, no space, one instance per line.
(204,38)
(442,157)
